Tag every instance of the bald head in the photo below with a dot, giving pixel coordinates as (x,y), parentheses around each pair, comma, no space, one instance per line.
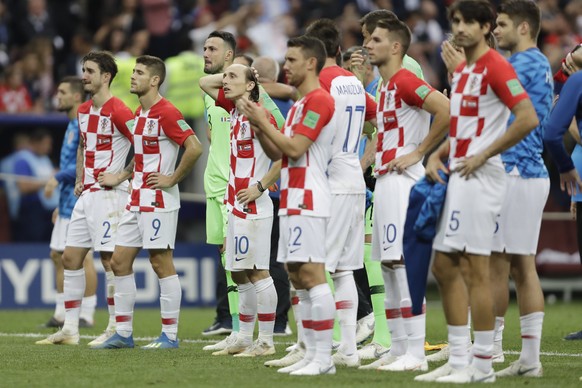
(267,67)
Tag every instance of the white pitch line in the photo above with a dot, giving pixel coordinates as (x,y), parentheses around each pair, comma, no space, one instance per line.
(210,341)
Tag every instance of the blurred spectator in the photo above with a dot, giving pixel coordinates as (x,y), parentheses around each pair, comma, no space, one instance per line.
(127,16)
(81,44)
(36,21)
(181,87)
(4,35)
(31,212)
(37,73)
(14,96)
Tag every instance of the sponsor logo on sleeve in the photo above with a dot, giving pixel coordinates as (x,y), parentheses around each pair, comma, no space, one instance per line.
(183,125)
(422,91)
(514,87)
(311,119)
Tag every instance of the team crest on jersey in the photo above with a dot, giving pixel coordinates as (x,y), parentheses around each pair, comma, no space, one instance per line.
(243,129)
(150,126)
(104,124)
(387,100)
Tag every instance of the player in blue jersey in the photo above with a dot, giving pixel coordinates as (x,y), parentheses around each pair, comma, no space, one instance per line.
(518,225)
(70,95)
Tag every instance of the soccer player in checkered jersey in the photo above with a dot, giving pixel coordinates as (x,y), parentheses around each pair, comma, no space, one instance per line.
(247,251)
(151,216)
(484,90)
(345,228)
(105,127)
(305,196)
(70,95)
(405,135)
(516,238)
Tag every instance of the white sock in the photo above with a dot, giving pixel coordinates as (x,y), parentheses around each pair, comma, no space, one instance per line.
(531,335)
(394,314)
(247,310)
(458,346)
(414,325)
(483,350)
(307,322)
(88,308)
(346,304)
(74,288)
(170,300)
(266,308)
(59,313)
(498,335)
(323,313)
(125,293)
(109,294)
(297,314)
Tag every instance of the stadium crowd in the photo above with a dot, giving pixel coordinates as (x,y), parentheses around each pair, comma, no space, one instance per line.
(210,46)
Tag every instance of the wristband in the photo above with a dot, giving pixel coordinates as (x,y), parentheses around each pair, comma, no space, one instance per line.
(260,187)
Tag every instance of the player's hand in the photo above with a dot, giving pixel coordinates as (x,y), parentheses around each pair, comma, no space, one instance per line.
(357,60)
(573,210)
(253,112)
(78,188)
(570,182)
(403,162)
(433,166)
(469,165)
(248,195)
(50,187)
(55,215)
(108,179)
(155,180)
(569,65)
(451,56)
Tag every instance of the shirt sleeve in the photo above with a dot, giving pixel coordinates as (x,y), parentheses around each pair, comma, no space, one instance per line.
(413,90)
(21,167)
(224,102)
(315,115)
(123,120)
(559,120)
(371,107)
(505,84)
(174,126)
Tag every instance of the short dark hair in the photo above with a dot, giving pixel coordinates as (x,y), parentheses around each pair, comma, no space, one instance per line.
(326,30)
(520,11)
(480,11)
(104,60)
(311,48)
(226,36)
(76,84)
(246,57)
(370,20)
(154,64)
(398,31)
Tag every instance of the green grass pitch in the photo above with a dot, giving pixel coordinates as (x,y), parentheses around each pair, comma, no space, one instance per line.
(25,364)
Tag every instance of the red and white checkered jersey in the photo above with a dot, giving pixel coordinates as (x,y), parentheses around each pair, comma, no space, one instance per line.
(304,185)
(107,139)
(157,136)
(248,164)
(353,106)
(481,98)
(402,123)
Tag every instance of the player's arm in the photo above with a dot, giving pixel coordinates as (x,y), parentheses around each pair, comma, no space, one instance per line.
(255,191)
(211,84)
(294,147)
(555,128)
(369,151)
(525,121)
(438,106)
(436,162)
(280,91)
(193,150)
(79,167)
(112,180)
